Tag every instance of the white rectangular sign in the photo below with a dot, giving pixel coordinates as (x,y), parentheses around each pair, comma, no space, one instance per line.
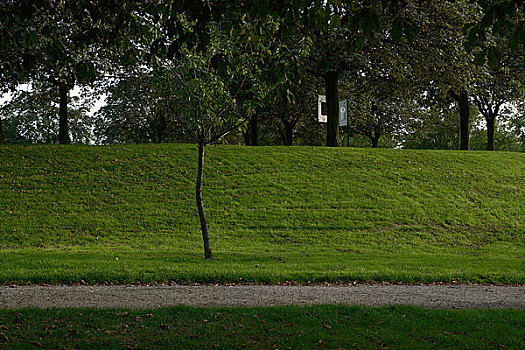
(321,118)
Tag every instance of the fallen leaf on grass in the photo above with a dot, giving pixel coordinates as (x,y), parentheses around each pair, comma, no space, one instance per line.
(37,344)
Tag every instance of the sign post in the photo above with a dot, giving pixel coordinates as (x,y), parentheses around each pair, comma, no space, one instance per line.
(343,114)
(343,119)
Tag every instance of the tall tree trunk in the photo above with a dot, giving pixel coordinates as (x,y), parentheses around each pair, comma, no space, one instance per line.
(464,122)
(254,129)
(160,129)
(251,135)
(333,138)
(375,140)
(464,119)
(490,112)
(490,132)
(247,138)
(63,130)
(200,205)
(288,133)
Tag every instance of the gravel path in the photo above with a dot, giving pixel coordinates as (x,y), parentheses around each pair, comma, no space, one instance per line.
(436,296)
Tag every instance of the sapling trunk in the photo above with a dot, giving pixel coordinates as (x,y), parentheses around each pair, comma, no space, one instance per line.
(200,205)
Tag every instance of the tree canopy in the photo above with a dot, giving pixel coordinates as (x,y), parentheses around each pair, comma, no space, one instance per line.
(469,50)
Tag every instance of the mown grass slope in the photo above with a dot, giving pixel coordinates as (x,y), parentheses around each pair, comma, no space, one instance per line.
(127,214)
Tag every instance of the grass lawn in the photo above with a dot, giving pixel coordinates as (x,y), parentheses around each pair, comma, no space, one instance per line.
(282,327)
(127,214)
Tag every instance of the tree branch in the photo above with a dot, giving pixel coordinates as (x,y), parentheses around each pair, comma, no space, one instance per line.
(226,132)
(314,73)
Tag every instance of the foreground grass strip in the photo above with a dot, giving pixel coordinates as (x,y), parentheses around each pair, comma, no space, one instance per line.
(295,327)
(126,214)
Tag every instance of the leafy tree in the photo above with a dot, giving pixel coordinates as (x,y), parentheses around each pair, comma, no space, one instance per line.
(502,18)
(329,38)
(438,58)
(517,126)
(490,102)
(205,106)
(501,84)
(290,105)
(337,33)
(64,43)
(32,117)
(435,127)
(136,111)
(323,38)
(383,117)
(381,93)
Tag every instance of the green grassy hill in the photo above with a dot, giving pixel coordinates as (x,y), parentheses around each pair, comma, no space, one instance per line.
(127,214)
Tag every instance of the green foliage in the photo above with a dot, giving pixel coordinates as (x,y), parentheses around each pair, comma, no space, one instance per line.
(64,42)
(502,18)
(505,138)
(518,127)
(246,49)
(137,112)
(32,117)
(276,213)
(204,104)
(213,91)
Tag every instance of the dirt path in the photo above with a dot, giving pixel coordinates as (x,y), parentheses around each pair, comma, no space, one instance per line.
(437,296)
